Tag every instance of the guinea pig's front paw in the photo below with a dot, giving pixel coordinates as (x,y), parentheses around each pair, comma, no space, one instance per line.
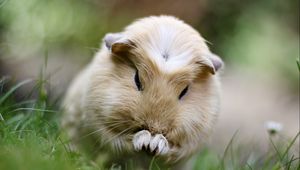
(141,139)
(157,144)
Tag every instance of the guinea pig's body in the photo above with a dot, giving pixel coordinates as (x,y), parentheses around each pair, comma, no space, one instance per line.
(152,89)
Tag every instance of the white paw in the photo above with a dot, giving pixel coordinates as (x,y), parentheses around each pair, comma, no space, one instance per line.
(141,139)
(159,144)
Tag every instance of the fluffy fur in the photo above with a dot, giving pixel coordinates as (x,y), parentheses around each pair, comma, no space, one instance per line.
(104,105)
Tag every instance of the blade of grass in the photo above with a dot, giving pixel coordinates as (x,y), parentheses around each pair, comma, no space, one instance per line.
(249,166)
(276,150)
(3,3)
(290,145)
(151,163)
(232,155)
(289,163)
(3,80)
(1,117)
(227,148)
(18,104)
(32,109)
(12,90)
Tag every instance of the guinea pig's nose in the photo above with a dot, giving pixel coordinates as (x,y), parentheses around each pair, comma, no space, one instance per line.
(153,129)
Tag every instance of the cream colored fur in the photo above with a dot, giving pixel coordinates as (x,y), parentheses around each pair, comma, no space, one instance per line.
(104,105)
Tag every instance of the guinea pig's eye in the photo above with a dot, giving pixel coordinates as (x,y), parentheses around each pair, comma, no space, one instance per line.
(183,92)
(137,81)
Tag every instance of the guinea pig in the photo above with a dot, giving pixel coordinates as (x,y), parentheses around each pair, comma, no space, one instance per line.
(151,90)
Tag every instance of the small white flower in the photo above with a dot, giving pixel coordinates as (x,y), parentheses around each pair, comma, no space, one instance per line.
(273,127)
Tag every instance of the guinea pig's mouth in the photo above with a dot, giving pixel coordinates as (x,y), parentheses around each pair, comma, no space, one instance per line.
(152,131)
(137,129)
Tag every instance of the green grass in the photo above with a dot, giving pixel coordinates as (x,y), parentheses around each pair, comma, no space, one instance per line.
(298,64)
(30,138)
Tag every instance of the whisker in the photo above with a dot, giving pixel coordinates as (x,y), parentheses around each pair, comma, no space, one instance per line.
(98,130)
(117,135)
(107,124)
(105,142)
(105,127)
(112,118)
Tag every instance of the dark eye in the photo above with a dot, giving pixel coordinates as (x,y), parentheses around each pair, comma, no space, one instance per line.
(183,92)
(137,81)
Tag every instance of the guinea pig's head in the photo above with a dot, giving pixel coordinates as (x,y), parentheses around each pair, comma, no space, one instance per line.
(159,76)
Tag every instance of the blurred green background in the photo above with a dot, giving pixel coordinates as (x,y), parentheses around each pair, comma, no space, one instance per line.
(257,39)
(259,35)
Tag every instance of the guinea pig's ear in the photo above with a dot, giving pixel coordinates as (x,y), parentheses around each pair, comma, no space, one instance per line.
(117,43)
(212,62)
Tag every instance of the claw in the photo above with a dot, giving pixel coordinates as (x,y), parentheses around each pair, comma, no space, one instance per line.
(141,139)
(159,144)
